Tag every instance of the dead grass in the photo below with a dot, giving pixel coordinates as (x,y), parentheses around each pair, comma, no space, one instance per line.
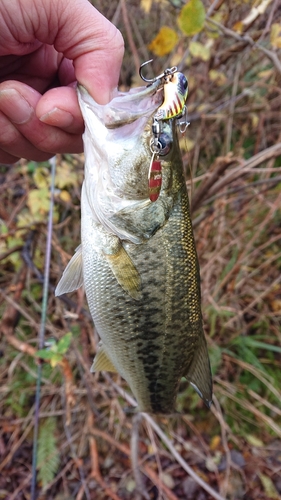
(233,151)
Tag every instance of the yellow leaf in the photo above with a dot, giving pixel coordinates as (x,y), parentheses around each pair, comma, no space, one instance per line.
(25,218)
(276,305)
(146,5)
(65,176)
(238,27)
(186,144)
(268,486)
(199,50)
(65,196)
(41,177)
(38,201)
(218,77)
(275,36)
(215,443)
(192,17)
(53,362)
(164,42)
(254,441)
(266,73)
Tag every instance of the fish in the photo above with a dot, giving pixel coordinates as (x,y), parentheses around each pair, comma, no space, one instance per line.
(137,259)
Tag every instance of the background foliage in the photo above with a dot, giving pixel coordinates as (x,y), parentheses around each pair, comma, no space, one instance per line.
(230,52)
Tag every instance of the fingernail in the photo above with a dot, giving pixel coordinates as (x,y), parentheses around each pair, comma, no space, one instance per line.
(15,106)
(58,118)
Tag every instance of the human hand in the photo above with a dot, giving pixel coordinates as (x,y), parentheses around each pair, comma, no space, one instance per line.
(45,46)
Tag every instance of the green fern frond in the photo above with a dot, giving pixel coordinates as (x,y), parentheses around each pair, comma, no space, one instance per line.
(48,453)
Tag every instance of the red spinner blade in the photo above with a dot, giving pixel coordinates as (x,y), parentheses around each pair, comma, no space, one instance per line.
(154,179)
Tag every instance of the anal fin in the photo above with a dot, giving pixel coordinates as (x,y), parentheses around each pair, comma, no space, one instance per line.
(72,277)
(102,362)
(125,272)
(199,374)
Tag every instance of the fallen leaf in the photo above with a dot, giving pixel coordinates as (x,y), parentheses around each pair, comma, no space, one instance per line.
(164,42)
(145,5)
(65,176)
(192,17)
(38,201)
(268,486)
(199,50)
(254,441)
(167,480)
(217,76)
(215,442)
(65,196)
(275,36)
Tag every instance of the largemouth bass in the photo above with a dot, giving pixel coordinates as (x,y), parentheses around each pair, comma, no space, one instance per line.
(137,259)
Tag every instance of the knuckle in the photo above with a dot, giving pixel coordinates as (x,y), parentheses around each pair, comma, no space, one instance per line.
(9,135)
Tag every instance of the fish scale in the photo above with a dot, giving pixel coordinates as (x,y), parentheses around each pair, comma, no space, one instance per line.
(140,268)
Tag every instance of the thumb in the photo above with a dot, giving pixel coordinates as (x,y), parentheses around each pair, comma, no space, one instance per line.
(95,46)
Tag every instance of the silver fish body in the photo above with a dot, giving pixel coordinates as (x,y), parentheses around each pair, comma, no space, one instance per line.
(137,258)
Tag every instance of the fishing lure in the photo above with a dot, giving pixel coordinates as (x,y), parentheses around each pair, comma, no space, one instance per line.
(175,87)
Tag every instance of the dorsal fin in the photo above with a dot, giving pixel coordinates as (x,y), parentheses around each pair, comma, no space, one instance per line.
(72,277)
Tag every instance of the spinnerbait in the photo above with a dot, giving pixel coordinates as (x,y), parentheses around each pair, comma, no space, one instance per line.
(175,88)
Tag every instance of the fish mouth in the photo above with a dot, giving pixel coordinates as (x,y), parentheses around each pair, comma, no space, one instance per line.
(126,107)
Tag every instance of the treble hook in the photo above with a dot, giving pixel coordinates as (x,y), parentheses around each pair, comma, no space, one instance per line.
(168,71)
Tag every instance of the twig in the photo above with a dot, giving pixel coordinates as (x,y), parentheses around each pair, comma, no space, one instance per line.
(61,473)
(231,107)
(168,443)
(134,456)
(245,165)
(254,302)
(269,19)
(16,248)
(216,410)
(85,377)
(130,36)
(19,489)
(250,407)
(149,472)
(248,40)
(115,18)
(69,443)
(264,402)
(238,189)
(155,451)
(256,372)
(248,246)
(16,446)
(95,471)
(181,461)
(220,165)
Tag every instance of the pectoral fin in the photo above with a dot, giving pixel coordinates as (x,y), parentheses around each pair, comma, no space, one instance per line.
(72,277)
(199,374)
(125,272)
(102,362)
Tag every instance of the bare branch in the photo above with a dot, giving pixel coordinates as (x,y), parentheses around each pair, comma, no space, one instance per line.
(247,39)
